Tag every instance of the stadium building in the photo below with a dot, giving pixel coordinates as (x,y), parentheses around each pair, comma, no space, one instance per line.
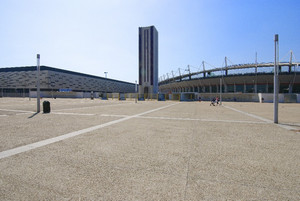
(54,82)
(242,82)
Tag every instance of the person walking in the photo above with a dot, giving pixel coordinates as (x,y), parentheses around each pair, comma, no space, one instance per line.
(213,101)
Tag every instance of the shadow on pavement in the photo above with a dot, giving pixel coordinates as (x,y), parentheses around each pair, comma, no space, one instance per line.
(33,115)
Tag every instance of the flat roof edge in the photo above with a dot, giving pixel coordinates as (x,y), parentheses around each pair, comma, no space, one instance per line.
(33,68)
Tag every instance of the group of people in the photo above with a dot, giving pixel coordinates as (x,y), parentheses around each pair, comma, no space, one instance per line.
(215,101)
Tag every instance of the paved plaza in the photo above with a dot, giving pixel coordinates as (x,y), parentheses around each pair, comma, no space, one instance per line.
(121,150)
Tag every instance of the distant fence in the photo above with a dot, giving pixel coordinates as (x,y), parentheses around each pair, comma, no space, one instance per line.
(14,94)
(185,96)
(250,97)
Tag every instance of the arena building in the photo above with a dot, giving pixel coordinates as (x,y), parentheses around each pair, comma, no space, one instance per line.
(235,80)
(21,82)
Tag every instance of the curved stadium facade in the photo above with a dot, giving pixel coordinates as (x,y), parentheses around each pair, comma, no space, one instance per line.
(242,78)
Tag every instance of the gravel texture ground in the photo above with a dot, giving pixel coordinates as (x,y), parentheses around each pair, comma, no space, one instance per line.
(122,150)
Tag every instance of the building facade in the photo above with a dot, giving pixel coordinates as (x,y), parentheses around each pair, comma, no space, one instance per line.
(19,81)
(148,60)
(241,78)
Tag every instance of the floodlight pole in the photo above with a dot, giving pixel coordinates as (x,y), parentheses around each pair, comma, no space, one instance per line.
(106,84)
(136,92)
(276,80)
(38,95)
(221,84)
(220,91)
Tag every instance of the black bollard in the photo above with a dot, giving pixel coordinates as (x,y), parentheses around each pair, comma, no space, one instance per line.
(46,107)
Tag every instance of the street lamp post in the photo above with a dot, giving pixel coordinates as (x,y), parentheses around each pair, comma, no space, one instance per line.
(276,79)
(38,96)
(221,84)
(220,91)
(106,85)
(136,92)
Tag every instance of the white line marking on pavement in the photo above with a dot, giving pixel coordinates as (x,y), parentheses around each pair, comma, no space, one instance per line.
(286,127)
(248,114)
(207,120)
(42,143)
(188,119)
(72,114)
(23,113)
(114,115)
(93,106)
(261,118)
(3,115)
(15,105)
(16,111)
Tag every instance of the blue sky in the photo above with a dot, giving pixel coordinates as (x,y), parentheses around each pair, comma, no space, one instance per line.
(94,36)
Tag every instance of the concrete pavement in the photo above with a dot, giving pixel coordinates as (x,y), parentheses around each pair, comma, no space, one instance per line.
(149,151)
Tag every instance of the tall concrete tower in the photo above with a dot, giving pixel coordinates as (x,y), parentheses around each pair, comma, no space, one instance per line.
(148,60)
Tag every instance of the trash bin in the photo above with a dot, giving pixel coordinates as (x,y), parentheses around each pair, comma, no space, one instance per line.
(46,107)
